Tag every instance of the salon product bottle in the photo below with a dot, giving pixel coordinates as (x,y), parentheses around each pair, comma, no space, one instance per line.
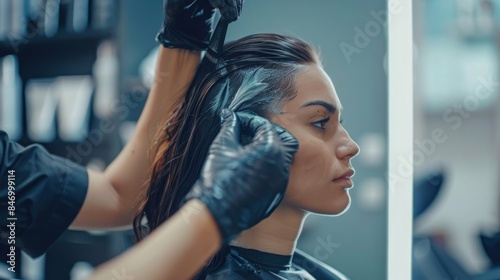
(10,98)
(4,19)
(78,15)
(81,270)
(35,12)
(17,20)
(73,111)
(40,110)
(103,14)
(51,17)
(105,73)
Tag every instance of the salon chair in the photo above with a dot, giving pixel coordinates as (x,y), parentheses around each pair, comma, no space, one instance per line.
(491,246)
(430,259)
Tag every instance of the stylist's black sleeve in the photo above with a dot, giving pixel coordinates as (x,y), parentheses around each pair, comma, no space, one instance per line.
(49,192)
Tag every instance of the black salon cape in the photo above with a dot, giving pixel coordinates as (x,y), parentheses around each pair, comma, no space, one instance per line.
(49,192)
(252,264)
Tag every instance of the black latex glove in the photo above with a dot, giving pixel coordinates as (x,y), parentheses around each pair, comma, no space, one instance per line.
(241,185)
(188,23)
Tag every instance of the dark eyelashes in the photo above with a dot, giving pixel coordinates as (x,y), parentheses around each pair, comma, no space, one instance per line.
(324,121)
(321,122)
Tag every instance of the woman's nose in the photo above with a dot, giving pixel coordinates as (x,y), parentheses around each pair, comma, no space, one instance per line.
(348,148)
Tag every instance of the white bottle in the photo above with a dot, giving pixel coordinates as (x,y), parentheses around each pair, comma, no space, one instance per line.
(5,16)
(81,271)
(18,20)
(105,73)
(74,94)
(40,110)
(51,17)
(79,15)
(10,98)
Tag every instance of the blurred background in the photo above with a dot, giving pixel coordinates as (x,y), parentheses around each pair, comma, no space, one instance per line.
(457,139)
(75,74)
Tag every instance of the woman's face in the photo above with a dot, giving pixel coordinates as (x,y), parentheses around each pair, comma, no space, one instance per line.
(325,150)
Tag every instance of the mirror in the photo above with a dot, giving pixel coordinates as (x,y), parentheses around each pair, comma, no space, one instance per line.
(456,141)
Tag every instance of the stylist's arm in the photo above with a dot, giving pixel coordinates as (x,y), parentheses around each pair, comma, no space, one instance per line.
(185,32)
(239,186)
(52,193)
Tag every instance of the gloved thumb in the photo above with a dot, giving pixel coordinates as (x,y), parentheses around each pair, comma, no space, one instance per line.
(261,131)
(290,143)
(228,137)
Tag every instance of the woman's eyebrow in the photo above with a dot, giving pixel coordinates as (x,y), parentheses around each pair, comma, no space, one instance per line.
(328,106)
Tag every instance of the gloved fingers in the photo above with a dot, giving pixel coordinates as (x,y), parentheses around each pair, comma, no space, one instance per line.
(289,141)
(251,123)
(229,9)
(240,7)
(274,203)
(261,131)
(231,13)
(187,24)
(228,137)
(217,3)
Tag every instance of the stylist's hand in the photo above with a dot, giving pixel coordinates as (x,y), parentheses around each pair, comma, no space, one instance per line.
(241,185)
(188,23)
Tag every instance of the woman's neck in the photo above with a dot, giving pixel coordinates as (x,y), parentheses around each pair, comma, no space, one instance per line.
(276,234)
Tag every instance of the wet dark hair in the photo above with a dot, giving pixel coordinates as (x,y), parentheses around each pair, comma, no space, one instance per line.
(254,74)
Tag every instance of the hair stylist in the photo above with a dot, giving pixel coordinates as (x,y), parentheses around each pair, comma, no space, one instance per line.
(52,193)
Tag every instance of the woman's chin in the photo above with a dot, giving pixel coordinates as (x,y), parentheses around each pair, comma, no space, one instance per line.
(335,208)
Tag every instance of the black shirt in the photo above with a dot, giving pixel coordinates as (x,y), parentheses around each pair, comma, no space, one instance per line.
(49,192)
(243,263)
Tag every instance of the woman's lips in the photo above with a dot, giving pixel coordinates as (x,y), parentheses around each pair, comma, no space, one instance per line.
(344,182)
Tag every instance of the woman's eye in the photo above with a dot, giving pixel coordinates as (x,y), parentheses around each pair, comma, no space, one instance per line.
(321,123)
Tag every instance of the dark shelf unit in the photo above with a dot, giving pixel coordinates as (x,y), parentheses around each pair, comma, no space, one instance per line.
(64,54)
(60,40)
(68,54)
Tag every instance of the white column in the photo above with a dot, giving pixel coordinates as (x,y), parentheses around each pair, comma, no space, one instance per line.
(400,44)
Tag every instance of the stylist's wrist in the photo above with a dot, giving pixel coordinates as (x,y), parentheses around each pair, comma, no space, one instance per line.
(195,211)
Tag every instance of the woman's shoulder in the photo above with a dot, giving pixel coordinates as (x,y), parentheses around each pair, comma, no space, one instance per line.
(304,267)
(236,267)
(316,268)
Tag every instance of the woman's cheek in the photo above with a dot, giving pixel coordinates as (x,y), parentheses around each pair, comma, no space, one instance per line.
(309,167)
(310,158)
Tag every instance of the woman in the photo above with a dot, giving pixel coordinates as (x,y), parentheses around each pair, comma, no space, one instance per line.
(281,79)
(182,244)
